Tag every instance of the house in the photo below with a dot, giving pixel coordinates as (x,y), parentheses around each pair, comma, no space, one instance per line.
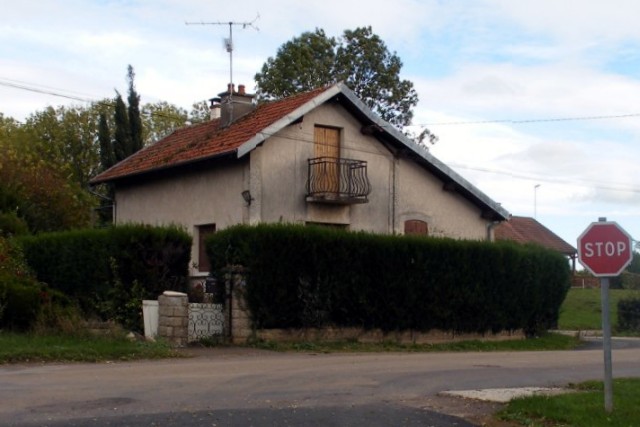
(319,157)
(527,230)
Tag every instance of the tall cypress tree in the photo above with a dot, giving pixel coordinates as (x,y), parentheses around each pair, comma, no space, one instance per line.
(135,122)
(107,156)
(122,145)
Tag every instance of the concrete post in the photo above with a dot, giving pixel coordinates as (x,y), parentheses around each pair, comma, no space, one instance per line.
(173,318)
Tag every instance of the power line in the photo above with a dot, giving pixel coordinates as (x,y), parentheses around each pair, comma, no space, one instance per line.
(524,121)
(582,182)
(32,87)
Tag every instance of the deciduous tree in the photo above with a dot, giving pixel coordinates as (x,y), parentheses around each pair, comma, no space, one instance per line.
(359,58)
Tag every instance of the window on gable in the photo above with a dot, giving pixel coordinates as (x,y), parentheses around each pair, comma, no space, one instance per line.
(204,231)
(416,227)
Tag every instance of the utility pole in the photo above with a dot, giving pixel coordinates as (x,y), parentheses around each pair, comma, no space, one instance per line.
(535,201)
(228,43)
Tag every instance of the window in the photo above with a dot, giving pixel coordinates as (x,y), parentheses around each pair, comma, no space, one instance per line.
(204,231)
(416,227)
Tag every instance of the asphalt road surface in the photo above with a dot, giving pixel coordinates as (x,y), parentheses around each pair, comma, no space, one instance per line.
(245,387)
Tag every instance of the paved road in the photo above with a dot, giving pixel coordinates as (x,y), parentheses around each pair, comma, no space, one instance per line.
(243,387)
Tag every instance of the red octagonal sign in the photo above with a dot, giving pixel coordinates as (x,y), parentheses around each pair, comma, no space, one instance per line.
(604,249)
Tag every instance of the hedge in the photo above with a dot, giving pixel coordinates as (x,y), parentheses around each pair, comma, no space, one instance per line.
(102,269)
(629,314)
(301,276)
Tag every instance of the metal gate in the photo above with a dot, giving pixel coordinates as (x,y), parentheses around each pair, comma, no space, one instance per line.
(205,321)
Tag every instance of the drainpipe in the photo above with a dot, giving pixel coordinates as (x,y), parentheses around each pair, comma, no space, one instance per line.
(394,196)
(490,226)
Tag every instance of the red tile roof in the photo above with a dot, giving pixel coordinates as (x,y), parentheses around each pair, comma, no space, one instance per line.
(527,230)
(204,140)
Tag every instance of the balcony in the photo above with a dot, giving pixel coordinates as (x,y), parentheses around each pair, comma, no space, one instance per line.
(337,181)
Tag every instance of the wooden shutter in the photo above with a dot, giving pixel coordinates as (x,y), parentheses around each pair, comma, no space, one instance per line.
(416,227)
(327,144)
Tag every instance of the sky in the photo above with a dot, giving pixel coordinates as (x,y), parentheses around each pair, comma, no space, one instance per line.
(534,102)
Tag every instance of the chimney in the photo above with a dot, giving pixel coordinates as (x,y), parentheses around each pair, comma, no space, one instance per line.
(234,105)
(214,108)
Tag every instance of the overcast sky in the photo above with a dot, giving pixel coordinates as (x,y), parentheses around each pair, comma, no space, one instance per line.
(535,102)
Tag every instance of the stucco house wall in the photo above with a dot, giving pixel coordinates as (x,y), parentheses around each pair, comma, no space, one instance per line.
(188,200)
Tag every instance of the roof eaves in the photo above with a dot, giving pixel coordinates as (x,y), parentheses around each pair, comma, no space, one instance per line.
(423,152)
(285,121)
(97,180)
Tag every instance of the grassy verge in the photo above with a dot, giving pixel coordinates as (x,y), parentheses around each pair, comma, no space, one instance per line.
(547,342)
(585,408)
(581,309)
(45,348)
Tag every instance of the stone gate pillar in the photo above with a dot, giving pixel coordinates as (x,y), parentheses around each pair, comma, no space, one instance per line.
(173,317)
(238,315)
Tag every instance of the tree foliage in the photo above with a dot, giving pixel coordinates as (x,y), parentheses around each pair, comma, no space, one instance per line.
(360,58)
(47,162)
(133,110)
(162,118)
(122,142)
(38,193)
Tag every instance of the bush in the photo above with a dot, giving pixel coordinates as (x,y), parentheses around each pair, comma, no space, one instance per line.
(631,280)
(19,291)
(629,314)
(19,303)
(109,271)
(12,225)
(306,276)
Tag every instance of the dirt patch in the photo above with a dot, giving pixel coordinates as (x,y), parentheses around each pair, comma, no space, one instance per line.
(478,412)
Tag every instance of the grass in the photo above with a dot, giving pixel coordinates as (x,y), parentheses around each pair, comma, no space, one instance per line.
(16,347)
(581,309)
(584,408)
(546,342)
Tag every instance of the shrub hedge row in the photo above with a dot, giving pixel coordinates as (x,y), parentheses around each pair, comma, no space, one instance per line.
(105,268)
(629,314)
(312,277)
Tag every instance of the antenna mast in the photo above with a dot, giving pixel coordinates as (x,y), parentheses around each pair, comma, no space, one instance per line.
(228,43)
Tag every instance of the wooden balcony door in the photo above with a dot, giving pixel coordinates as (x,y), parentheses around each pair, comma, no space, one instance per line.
(327,144)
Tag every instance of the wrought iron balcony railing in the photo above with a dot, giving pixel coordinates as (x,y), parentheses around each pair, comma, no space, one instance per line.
(335,180)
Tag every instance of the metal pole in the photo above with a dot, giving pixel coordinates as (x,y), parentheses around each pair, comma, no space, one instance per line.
(535,201)
(606,345)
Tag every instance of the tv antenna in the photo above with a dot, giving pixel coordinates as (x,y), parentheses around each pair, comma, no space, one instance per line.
(228,42)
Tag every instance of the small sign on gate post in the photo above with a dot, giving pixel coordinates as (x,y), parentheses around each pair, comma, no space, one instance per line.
(604,249)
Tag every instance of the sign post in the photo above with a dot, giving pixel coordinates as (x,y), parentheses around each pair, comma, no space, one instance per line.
(605,250)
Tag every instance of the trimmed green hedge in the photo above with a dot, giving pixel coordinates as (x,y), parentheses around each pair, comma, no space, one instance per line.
(311,277)
(629,314)
(103,269)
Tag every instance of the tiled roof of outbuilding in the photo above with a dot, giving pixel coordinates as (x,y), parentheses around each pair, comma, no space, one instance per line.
(527,230)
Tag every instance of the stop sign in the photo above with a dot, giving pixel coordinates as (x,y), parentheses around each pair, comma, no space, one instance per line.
(604,249)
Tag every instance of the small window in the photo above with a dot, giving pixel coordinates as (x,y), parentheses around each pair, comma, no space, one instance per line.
(204,231)
(416,227)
